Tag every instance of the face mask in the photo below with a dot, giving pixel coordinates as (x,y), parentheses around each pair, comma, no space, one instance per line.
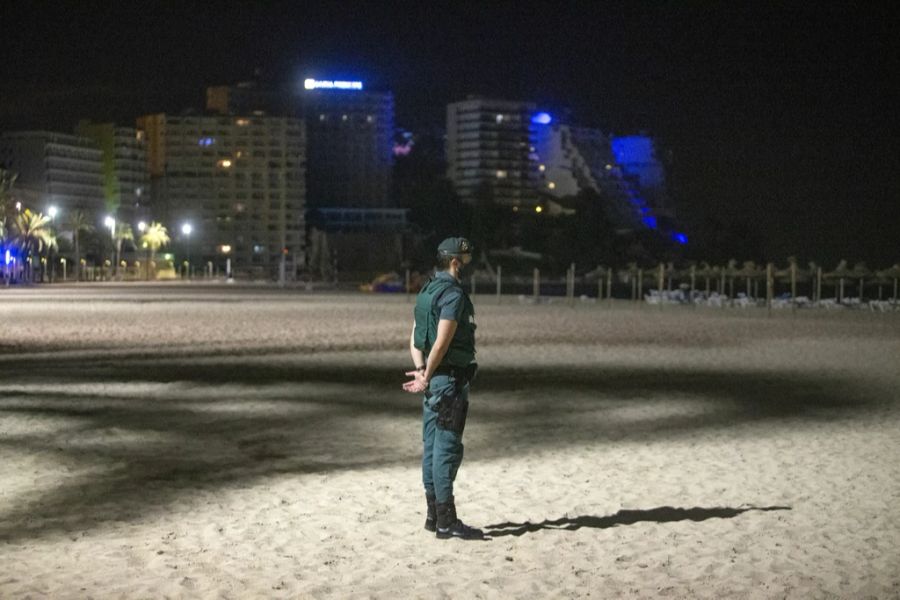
(463,267)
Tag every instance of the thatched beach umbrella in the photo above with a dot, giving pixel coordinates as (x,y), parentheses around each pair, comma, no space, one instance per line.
(706,272)
(840,273)
(892,273)
(793,274)
(729,270)
(816,271)
(861,272)
(749,272)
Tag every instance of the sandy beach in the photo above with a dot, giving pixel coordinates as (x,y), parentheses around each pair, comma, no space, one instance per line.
(212,442)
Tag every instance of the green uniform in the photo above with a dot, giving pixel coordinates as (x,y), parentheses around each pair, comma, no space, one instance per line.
(447,399)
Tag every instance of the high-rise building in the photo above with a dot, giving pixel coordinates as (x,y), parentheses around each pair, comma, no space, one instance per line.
(349,144)
(54,169)
(572,159)
(124,167)
(238,181)
(490,150)
(639,160)
(624,172)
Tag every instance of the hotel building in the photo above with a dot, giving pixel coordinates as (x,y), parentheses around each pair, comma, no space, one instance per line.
(54,169)
(349,144)
(238,181)
(489,147)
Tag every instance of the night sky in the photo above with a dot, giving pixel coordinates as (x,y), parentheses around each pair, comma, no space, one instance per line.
(778,121)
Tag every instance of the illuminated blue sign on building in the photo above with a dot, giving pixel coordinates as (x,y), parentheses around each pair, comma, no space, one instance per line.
(541,118)
(316,84)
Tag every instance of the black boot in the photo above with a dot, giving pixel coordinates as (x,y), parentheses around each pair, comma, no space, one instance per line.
(431,515)
(449,526)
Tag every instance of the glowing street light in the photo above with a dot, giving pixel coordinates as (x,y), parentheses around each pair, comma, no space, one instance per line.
(111,223)
(186,229)
(226,250)
(52,212)
(142,227)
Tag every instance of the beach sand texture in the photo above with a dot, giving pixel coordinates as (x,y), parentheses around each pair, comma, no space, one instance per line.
(210,442)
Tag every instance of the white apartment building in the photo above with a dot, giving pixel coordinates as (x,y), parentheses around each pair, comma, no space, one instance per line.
(124,167)
(489,147)
(238,181)
(54,169)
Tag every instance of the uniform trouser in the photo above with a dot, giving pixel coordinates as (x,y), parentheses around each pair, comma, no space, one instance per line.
(443,449)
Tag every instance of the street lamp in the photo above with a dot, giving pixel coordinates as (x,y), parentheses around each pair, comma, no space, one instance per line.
(52,212)
(226,250)
(111,223)
(186,229)
(142,227)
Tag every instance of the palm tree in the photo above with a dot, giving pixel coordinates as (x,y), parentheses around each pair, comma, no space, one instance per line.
(123,232)
(154,238)
(77,222)
(33,235)
(7,179)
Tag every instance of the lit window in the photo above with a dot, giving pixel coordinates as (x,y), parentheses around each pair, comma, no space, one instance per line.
(542,168)
(501,174)
(551,185)
(224,163)
(369,119)
(499,118)
(344,117)
(538,209)
(515,209)
(243,122)
(321,117)
(608,167)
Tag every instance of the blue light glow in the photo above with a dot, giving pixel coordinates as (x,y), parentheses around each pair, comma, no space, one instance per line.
(650,222)
(541,118)
(206,141)
(316,84)
(680,238)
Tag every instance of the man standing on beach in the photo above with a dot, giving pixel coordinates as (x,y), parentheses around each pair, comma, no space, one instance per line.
(442,345)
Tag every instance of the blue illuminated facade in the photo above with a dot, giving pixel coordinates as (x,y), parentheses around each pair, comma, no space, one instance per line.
(624,170)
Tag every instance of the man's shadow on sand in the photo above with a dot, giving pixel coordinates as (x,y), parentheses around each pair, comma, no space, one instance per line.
(663,514)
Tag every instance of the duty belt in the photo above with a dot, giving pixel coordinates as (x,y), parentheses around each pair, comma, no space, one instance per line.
(464,373)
